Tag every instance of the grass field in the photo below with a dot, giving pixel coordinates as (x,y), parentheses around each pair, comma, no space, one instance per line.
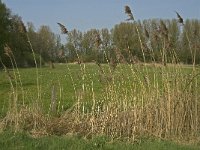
(23,141)
(68,81)
(66,87)
(127,102)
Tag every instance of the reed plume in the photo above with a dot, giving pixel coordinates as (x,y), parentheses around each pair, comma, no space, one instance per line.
(163,29)
(180,19)
(146,33)
(7,50)
(22,27)
(63,28)
(98,40)
(129,13)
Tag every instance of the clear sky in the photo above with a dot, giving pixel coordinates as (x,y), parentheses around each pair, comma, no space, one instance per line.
(86,14)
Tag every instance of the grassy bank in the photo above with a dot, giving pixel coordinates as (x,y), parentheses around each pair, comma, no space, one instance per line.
(126,102)
(23,141)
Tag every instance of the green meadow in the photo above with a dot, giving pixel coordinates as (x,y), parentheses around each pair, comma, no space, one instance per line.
(23,141)
(69,80)
(42,105)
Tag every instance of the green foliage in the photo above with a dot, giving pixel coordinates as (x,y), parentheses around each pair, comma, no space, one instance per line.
(30,61)
(4,28)
(190,41)
(126,39)
(22,141)
(171,45)
(14,34)
(46,41)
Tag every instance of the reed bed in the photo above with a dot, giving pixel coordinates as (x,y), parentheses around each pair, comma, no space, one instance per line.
(164,105)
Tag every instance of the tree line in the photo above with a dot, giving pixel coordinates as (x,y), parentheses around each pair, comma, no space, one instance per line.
(153,40)
(20,40)
(150,40)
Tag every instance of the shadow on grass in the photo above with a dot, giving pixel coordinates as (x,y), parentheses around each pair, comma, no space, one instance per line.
(4,85)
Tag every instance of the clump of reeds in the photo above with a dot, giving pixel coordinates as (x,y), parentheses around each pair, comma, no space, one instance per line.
(17,94)
(16,87)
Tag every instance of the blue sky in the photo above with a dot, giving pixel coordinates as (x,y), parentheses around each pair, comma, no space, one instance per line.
(86,14)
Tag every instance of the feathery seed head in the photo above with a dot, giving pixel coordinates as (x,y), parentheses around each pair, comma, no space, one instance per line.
(63,28)
(97,40)
(180,19)
(163,29)
(7,50)
(146,32)
(129,13)
(22,28)
(127,10)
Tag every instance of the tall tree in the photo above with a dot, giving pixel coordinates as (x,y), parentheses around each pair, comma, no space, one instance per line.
(5,23)
(74,45)
(90,45)
(47,43)
(126,39)
(18,41)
